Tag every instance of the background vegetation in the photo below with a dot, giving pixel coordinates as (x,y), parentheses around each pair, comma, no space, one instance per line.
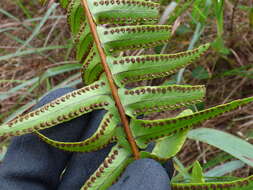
(36,56)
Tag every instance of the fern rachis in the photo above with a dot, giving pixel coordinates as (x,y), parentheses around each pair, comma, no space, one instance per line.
(110,93)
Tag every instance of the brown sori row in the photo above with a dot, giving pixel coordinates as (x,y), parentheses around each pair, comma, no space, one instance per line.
(112,140)
(57,102)
(85,65)
(101,132)
(82,29)
(93,54)
(69,9)
(161,123)
(150,44)
(100,170)
(164,107)
(143,59)
(146,76)
(138,29)
(125,20)
(126,2)
(46,124)
(163,90)
(149,139)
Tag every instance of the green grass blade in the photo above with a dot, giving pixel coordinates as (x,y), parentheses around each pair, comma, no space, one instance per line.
(225,168)
(31,51)
(235,146)
(39,26)
(241,184)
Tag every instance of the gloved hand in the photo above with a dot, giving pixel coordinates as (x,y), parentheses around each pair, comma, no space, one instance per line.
(31,164)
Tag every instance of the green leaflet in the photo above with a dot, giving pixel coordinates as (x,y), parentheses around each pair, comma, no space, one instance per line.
(103,136)
(150,99)
(75,15)
(83,42)
(67,107)
(241,184)
(145,131)
(163,147)
(135,68)
(115,35)
(133,37)
(109,171)
(92,67)
(124,11)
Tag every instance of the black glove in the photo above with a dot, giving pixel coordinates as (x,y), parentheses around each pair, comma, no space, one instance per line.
(31,164)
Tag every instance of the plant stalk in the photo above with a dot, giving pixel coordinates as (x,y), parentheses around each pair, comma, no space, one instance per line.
(113,87)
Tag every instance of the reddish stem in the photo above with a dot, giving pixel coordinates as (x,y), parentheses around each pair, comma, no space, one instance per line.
(109,76)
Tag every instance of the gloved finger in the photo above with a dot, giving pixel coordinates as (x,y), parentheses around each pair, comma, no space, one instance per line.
(168,165)
(82,165)
(169,168)
(143,174)
(32,164)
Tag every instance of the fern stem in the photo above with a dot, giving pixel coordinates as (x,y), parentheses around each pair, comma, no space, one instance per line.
(113,87)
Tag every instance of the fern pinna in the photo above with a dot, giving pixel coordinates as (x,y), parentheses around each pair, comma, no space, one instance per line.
(116,26)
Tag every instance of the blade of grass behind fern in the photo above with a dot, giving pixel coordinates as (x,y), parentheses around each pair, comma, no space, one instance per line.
(233,145)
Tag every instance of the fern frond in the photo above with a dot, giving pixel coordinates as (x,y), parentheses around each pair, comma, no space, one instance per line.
(161,149)
(146,131)
(101,138)
(83,41)
(75,15)
(133,37)
(110,170)
(148,99)
(114,26)
(136,68)
(65,108)
(124,11)
(92,68)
